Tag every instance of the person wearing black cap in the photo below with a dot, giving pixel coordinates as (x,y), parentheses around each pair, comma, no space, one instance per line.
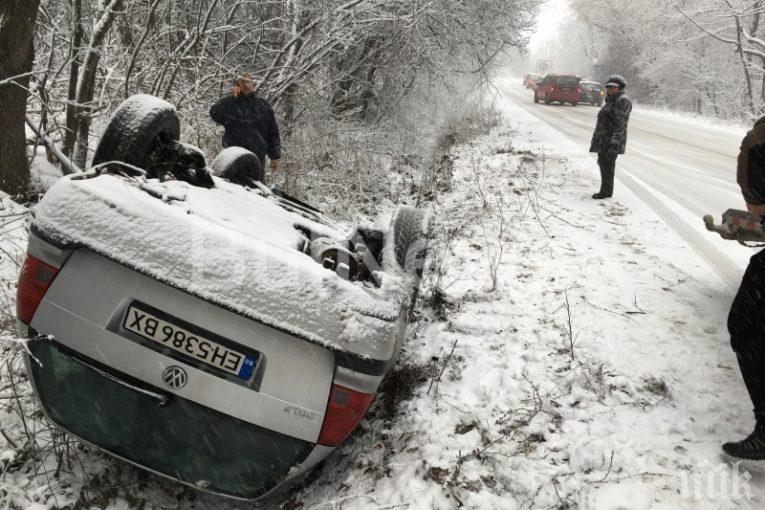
(610,137)
(746,320)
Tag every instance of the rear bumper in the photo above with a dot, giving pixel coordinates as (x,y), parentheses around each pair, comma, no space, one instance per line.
(564,97)
(171,436)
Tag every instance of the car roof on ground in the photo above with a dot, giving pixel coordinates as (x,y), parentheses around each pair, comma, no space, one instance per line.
(229,245)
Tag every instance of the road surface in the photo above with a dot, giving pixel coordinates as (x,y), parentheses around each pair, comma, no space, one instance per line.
(681,168)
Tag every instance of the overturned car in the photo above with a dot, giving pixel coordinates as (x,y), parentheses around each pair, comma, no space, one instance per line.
(201,325)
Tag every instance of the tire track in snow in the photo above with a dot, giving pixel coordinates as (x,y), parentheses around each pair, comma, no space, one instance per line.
(729,272)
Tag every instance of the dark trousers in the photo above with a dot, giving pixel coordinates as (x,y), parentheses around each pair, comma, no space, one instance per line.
(607,164)
(746,324)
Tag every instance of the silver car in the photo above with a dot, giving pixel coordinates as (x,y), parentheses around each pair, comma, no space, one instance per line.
(200,325)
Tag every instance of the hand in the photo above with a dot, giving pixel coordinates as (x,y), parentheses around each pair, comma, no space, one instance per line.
(235,90)
(756,209)
(274,165)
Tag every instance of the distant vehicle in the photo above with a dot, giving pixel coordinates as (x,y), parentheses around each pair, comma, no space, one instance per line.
(530,80)
(562,88)
(592,93)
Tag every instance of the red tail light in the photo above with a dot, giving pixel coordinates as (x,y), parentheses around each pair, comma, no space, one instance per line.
(578,91)
(345,409)
(34,280)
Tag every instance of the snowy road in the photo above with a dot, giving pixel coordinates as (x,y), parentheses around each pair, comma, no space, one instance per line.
(682,169)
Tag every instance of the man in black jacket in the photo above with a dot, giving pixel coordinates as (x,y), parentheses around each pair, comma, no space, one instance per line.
(746,321)
(610,137)
(249,122)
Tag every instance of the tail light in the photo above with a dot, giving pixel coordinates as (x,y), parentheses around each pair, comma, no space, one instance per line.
(601,92)
(345,409)
(34,280)
(578,90)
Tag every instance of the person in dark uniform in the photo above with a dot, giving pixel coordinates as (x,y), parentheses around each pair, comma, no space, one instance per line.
(746,321)
(610,136)
(249,122)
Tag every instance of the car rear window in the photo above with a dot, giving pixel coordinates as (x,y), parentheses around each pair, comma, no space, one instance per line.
(182,439)
(568,80)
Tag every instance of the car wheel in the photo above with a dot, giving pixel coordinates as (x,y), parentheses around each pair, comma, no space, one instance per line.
(574,103)
(239,166)
(547,100)
(536,99)
(139,126)
(411,230)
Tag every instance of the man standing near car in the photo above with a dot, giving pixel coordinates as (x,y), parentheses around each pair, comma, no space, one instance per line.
(746,321)
(610,137)
(249,122)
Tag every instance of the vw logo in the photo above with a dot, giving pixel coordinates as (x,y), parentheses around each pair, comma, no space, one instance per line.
(175,377)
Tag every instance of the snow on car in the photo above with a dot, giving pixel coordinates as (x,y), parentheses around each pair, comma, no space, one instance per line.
(218,333)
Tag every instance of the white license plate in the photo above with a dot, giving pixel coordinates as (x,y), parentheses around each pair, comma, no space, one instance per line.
(170,335)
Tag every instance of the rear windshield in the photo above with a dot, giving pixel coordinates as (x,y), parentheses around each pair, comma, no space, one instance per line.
(568,80)
(592,86)
(180,439)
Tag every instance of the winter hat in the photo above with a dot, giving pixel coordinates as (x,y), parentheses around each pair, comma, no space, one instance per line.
(616,80)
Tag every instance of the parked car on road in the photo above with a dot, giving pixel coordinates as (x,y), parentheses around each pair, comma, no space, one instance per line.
(201,325)
(592,92)
(562,88)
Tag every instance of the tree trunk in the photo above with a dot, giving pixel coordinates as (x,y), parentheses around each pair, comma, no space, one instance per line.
(17,24)
(745,66)
(86,83)
(74,71)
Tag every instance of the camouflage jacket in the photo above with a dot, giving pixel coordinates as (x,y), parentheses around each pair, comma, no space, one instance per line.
(610,135)
(750,173)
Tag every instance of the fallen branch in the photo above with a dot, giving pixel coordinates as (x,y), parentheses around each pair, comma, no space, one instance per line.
(639,310)
(610,465)
(443,368)
(69,167)
(606,309)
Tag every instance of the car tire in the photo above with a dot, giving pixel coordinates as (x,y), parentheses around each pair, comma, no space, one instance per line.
(140,125)
(574,103)
(411,230)
(547,100)
(410,227)
(239,166)
(536,99)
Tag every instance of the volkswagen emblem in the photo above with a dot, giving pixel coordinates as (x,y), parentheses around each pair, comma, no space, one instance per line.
(175,377)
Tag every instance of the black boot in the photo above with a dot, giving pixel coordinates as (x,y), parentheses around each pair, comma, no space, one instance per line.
(599,195)
(753,447)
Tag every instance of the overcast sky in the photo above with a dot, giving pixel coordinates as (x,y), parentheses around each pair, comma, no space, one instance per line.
(551,15)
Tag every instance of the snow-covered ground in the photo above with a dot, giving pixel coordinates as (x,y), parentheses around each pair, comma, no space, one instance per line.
(571,354)
(596,375)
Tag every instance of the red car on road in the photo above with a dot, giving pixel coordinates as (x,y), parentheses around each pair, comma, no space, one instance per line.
(563,88)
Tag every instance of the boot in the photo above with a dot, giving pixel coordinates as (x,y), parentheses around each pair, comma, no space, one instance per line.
(599,195)
(753,447)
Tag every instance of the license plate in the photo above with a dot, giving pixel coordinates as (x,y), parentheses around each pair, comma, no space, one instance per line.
(165,333)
